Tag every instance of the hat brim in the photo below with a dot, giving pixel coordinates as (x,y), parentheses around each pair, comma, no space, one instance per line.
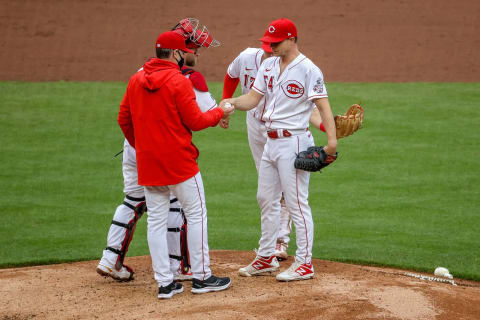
(270,39)
(186,50)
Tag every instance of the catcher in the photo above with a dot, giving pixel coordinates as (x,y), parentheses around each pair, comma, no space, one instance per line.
(315,158)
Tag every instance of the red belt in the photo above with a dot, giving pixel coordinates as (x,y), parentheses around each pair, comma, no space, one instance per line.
(274,133)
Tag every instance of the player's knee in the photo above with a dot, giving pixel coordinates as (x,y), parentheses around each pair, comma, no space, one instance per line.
(195,215)
(262,199)
(266,202)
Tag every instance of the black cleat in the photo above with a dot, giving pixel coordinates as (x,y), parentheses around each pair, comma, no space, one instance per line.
(168,291)
(211,284)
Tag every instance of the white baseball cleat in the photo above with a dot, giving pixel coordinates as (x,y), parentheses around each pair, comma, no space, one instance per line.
(124,274)
(297,271)
(281,251)
(260,265)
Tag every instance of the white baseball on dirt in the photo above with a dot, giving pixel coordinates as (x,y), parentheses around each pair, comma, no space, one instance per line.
(442,272)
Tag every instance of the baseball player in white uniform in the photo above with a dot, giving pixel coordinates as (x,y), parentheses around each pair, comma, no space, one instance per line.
(292,85)
(244,69)
(131,210)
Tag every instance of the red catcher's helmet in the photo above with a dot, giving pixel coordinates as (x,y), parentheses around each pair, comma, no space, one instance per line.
(194,36)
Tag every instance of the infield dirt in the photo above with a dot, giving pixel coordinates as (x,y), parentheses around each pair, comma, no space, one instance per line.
(338,291)
(351,41)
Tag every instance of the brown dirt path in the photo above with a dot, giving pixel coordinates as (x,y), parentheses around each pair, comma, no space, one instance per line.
(371,40)
(339,291)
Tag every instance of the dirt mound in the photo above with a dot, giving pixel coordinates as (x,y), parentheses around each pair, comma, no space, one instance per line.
(375,40)
(338,291)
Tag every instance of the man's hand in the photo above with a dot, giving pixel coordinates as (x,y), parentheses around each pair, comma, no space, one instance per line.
(224,123)
(227,108)
(331,148)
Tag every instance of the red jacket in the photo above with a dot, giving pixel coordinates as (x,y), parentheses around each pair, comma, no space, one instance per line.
(156,116)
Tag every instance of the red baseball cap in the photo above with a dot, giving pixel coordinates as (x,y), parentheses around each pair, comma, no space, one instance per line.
(171,40)
(279,30)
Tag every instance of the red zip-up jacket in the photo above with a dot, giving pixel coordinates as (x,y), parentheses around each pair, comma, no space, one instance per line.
(157,116)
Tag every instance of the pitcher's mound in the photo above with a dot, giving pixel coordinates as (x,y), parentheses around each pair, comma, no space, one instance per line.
(338,291)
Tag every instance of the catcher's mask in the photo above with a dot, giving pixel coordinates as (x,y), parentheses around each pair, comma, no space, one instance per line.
(194,36)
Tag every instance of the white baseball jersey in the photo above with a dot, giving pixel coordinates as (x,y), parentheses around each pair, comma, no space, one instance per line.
(289,95)
(245,67)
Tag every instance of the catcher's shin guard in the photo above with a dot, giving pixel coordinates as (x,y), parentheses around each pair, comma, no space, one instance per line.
(185,262)
(138,211)
(177,238)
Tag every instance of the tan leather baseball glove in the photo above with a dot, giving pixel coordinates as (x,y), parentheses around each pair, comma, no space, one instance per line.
(350,122)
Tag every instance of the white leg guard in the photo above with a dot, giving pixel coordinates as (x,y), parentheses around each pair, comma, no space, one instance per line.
(121,231)
(177,240)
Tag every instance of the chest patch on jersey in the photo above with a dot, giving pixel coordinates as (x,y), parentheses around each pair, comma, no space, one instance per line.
(293,89)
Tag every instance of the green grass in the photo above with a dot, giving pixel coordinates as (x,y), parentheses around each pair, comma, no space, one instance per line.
(404,192)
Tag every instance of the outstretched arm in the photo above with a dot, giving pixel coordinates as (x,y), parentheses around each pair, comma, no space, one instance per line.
(191,115)
(247,101)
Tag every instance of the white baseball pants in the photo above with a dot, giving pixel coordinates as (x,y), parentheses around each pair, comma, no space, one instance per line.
(276,175)
(191,195)
(257,138)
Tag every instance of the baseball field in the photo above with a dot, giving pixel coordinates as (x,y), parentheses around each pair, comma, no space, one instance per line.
(403,197)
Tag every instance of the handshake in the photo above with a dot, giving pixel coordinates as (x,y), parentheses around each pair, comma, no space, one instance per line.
(228,109)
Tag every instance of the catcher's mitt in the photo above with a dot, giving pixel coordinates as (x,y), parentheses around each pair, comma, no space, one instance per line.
(350,122)
(314,159)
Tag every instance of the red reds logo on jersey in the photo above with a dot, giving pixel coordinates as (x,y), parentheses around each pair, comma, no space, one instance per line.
(293,89)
